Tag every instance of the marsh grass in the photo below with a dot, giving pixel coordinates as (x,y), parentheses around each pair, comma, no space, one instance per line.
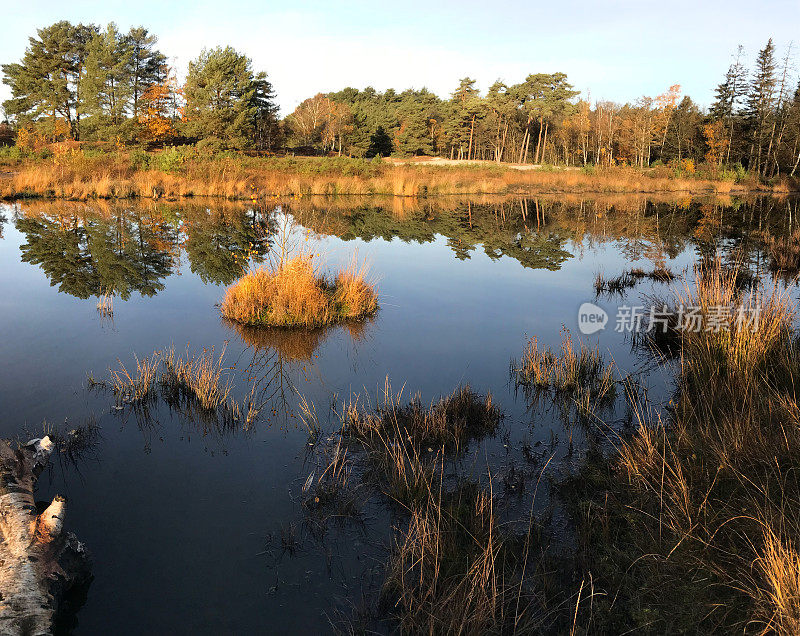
(136,385)
(294,294)
(453,566)
(578,375)
(105,305)
(618,285)
(121,175)
(200,385)
(198,375)
(784,254)
(694,520)
(451,421)
(394,446)
(456,570)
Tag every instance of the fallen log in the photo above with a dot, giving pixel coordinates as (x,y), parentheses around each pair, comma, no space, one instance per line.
(39,562)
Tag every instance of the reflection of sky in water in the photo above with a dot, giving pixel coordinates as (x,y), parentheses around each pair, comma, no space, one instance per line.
(176,516)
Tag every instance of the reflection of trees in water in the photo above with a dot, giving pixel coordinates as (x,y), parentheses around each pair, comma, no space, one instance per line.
(219,244)
(115,251)
(87,255)
(544,232)
(278,357)
(89,250)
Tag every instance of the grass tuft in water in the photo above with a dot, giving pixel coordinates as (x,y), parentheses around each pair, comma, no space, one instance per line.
(580,375)
(293,294)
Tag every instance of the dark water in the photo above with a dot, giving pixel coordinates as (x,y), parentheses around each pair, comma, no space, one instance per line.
(181,515)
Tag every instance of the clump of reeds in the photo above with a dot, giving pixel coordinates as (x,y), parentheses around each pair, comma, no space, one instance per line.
(450,421)
(620,284)
(456,570)
(135,385)
(200,375)
(199,381)
(105,305)
(784,253)
(293,294)
(580,375)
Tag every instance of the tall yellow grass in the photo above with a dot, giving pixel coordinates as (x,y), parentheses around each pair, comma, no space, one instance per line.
(294,294)
(114,176)
(712,495)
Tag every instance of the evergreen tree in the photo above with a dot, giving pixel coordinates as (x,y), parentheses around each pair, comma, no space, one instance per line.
(380,144)
(221,98)
(266,128)
(760,105)
(46,84)
(727,103)
(107,84)
(147,64)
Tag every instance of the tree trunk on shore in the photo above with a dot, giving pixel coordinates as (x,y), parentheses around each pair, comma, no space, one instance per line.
(38,561)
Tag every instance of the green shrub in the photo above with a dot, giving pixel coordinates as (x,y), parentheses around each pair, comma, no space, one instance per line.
(11,154)
(170,159)
(140,159)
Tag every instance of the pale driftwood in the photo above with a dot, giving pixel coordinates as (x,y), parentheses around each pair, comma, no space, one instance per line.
(38,560)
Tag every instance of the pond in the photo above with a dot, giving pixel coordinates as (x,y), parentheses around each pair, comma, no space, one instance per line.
(198,527)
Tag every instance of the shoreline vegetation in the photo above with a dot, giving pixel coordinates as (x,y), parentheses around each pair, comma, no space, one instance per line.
(74,174)
(688,520)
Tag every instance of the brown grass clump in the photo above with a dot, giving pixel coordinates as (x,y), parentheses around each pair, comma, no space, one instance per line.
(199,375)
(579,376)
(450,421)
(199,382)
(618,285)
(293,294)
(135,386)
(454,570)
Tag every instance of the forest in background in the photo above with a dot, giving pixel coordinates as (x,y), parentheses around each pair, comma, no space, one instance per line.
(111,90)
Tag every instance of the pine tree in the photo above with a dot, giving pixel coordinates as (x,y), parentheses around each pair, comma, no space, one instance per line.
(761,105)
(266,128)
(46,84)
(728,99)
(221,98)
(146,64)
(380,144)
(107,86)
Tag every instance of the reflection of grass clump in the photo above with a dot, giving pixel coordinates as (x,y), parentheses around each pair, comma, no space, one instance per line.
(293,294)
(619,284)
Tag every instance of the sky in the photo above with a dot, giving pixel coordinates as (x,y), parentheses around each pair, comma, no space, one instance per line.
(610,49)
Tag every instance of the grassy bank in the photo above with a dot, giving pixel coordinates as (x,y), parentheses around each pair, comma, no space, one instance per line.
(692,524)
(75,174)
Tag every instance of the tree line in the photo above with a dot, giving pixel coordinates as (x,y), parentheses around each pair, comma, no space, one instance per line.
(86,83)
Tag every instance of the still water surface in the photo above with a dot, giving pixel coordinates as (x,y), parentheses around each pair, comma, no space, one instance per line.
(183,518)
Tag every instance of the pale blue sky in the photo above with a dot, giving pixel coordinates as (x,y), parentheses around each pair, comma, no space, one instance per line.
(616,49)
